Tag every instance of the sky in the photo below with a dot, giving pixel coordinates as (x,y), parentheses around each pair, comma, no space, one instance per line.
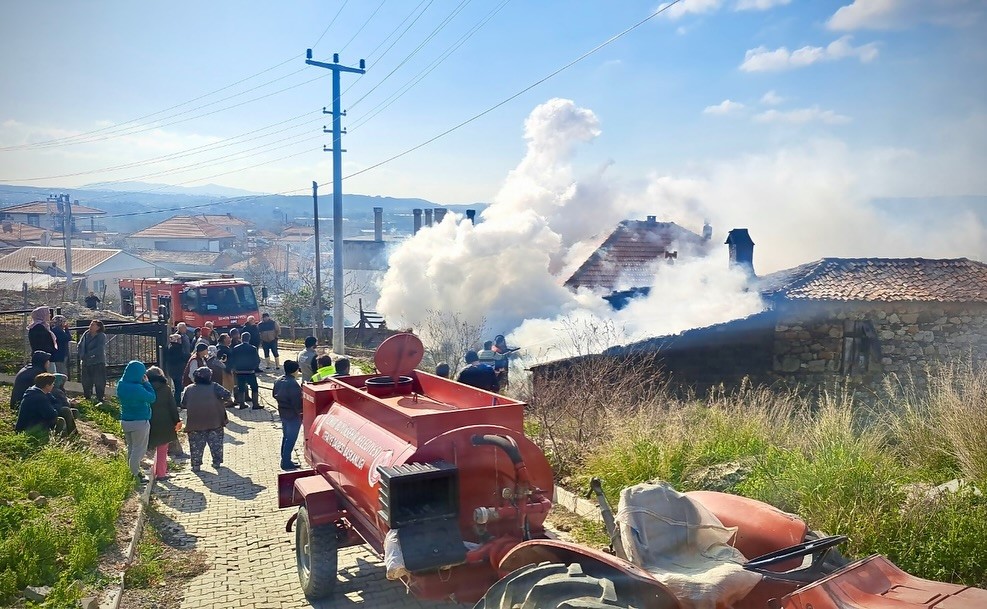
(787,116)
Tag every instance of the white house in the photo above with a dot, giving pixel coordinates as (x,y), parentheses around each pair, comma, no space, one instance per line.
(48,215)
(183,234)
(100,270)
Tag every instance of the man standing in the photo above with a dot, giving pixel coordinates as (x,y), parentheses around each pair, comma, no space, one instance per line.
(478,375)
(182,330)
(269,333)
(251,335)
(208,335)
(288,393)
(307,358)
(92,301)
(244,364)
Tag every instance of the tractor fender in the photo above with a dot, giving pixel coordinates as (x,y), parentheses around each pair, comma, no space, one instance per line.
(319,498)
(630,581)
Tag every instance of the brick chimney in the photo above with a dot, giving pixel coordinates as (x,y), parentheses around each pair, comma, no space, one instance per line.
(741,249)
(378,224)
(418,221)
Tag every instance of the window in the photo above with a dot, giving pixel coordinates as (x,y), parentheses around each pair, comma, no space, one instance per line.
(228,300)
(34,220)
(861,347)
(98,286)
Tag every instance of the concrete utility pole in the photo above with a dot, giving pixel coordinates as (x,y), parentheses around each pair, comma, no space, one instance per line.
(318,263)
(67,240)
(338,345)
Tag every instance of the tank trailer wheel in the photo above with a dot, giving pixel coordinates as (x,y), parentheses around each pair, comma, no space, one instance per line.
(315,553)
(551,586)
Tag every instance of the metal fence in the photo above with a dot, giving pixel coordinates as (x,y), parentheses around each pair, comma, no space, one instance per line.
(126,341)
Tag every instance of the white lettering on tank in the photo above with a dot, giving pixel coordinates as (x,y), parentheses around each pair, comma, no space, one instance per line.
(347,432)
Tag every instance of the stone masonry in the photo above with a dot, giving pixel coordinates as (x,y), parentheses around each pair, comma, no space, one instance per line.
(232,516)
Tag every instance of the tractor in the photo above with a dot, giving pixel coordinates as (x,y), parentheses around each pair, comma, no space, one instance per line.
(439,479)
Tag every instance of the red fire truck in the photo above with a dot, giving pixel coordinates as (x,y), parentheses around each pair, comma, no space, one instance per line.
(223,299)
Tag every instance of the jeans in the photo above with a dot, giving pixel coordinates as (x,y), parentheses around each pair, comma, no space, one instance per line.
(290,428)
(176,380)
(94,377)
(135,434)
(242,380)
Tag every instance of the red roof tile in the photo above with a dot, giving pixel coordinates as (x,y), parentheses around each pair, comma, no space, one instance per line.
(44,207)
(83,259)
(880,280)
(628,252)
(183,227)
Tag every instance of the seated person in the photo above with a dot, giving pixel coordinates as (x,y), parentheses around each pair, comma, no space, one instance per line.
(342,367)
(65,407)
(25,378)
(37,407)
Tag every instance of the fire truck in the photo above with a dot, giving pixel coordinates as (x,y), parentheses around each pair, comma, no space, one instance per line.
(223,299)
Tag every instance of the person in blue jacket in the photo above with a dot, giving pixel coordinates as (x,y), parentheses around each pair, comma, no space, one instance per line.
(136,396)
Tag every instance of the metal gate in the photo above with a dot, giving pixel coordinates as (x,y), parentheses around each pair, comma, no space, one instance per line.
(126,341)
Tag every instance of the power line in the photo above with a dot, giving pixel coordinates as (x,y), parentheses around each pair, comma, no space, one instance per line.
(397,27)
(357,33)
(332,21)
(603,44)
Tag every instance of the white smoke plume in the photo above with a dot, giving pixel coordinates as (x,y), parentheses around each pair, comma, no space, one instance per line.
(510,267)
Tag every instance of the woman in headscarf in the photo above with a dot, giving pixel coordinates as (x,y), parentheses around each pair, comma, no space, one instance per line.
(136,395)
(39,332)
(165,420)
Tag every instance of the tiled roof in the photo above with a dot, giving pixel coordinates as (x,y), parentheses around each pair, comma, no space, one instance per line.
(223,220)
(183,227)
(880,280)
(162,256)
(20,231)
(42,207)
(298,230)
(83,259)
(628,253)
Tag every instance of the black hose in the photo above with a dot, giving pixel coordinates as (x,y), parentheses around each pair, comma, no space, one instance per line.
(502,442)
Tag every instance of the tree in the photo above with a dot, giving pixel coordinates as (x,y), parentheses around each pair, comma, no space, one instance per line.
(447,337)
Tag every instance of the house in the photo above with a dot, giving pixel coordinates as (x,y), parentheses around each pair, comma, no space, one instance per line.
(183,234)
(49,214)
(846,321)
(24,234)
(624,265)
(235,226)
(98,270)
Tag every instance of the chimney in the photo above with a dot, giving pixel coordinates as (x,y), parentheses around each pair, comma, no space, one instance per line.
(652,219)
(707,231)
(428,217)
(471,216)
(440,212)
(741,249)
(418,221)
(378,224)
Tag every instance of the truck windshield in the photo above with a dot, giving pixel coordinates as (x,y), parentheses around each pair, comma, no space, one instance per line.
(224,300)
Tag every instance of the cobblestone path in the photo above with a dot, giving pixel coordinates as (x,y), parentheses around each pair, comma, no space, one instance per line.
(232,516)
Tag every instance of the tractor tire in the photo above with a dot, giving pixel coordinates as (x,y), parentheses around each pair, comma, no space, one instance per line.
(316,556)
(551,586)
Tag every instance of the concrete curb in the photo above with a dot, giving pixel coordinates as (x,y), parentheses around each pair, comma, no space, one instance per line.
(115,597)
(577,505)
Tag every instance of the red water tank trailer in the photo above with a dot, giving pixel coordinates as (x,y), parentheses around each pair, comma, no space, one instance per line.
(444,464)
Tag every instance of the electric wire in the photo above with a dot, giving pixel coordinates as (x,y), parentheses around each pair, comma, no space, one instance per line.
(369,19)
(558,71)
(332,21)
(396,28)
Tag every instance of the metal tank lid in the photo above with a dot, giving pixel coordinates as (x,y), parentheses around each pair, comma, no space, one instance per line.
(399,355)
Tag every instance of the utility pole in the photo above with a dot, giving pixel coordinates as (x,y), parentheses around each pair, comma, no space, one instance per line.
(318,263)
(67,240)
(338,345)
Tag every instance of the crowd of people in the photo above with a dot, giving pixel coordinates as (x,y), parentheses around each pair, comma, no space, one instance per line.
(204,373)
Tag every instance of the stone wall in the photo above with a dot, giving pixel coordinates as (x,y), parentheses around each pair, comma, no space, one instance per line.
(816,343)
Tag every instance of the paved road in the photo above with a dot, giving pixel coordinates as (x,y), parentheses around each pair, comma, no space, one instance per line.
(232,516)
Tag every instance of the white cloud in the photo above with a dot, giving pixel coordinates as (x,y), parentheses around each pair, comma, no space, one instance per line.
(896,14)
(771,98)
(696,7)
(801,116)
(724,107)
(763,59)
(759,5)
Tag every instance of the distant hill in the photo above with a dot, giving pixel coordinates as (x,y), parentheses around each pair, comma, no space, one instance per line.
(209,190)
(130,211)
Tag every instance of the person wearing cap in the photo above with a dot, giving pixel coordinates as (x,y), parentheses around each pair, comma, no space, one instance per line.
(136,395)
(92,356)
(206,404)
(288,394)
(26,375)
(209,334)
(198,360)
(477,374)
(244,365)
